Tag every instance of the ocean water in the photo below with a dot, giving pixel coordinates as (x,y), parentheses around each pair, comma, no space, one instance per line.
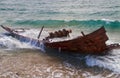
(21,60)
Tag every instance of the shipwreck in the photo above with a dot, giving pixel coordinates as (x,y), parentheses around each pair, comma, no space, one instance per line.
(92,43)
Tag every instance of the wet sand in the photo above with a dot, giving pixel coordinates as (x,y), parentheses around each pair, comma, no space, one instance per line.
(29,63)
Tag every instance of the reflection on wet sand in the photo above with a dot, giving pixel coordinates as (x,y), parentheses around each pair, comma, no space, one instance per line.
(29,63)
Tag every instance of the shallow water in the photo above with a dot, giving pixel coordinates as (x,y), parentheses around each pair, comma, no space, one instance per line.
(21,60)
(29,63)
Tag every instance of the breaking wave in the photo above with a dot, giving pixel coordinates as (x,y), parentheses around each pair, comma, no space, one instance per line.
(79,23)
(55,23)
(8,42)
(110,61)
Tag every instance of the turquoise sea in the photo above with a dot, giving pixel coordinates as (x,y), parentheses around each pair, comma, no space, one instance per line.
(21,60)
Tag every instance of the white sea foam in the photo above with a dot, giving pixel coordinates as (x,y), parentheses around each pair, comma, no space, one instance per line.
(108,20)
(111,61)
(33,33)
(12,43)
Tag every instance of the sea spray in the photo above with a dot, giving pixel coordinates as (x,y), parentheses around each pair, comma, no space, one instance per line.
(110,61)
(12,43)
(84,15)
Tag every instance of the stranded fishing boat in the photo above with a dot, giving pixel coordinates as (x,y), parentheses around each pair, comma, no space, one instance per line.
(93,43)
